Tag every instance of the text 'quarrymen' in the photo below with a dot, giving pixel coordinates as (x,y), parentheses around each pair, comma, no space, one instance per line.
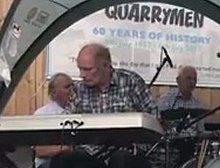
(155,14)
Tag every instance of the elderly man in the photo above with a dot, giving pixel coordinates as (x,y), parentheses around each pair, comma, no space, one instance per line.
(59,90)
(104,89)
(183,95)
(180,100)
(108,90)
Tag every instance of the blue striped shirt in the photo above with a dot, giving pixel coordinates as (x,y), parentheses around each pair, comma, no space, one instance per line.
(174,100)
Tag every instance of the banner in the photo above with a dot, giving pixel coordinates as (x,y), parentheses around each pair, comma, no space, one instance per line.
(135,34)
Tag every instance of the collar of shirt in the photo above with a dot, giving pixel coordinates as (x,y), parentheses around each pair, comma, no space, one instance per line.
(180,96)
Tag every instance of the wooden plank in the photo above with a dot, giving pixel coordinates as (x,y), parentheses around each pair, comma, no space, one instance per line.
(23,97)
(45,81)
(215,101)
(40,78)
(32,87)
(2,2)
(155,91)
(164,89)
(46,97)
(10,107)
(4,7)
(203,95)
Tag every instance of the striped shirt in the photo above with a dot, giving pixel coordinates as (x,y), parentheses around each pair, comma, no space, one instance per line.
(174,100)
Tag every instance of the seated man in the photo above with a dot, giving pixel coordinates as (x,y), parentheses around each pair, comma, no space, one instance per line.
(182,99)
(104,89)
(59,90)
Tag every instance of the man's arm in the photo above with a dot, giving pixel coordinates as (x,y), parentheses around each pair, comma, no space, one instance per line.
(52,150)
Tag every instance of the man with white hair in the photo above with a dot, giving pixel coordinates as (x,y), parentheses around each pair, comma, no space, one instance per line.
(182,96)
(178,100)
(59,90)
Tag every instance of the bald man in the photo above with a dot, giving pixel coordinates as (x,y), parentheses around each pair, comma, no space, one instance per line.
(104,89)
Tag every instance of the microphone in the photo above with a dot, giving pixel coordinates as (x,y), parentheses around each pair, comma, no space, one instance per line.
(167,57)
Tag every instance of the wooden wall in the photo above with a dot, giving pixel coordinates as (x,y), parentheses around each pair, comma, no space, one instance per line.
(31,92)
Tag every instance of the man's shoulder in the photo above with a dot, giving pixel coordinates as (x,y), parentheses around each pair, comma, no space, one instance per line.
(42,110)
(49,109)
(172,92)
(127,73)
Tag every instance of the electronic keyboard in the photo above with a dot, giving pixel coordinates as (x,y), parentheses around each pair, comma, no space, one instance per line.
(114,128)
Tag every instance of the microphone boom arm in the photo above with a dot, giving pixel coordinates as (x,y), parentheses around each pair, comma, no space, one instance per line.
(157,73)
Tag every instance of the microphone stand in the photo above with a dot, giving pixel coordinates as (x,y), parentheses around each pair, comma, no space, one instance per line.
(164,139)
(167,139)
(158,71)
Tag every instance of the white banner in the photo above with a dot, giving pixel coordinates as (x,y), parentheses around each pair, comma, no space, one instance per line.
(135,33)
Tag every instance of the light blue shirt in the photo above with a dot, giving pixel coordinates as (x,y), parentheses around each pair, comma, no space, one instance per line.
(52,108)
(174,100)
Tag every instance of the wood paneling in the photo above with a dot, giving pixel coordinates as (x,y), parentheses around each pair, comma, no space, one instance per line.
(30,92)
(32,87)
(40,79)
(4,7)
(23,96)
(10,108)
